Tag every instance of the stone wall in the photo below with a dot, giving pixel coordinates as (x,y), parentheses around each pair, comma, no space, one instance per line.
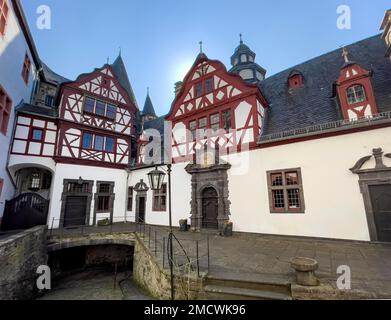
(20,256)
(151,277)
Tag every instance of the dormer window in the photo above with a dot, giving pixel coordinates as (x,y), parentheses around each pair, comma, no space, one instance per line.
(356,94)
(296,80)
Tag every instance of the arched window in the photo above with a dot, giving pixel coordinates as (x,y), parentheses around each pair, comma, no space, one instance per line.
(356,94)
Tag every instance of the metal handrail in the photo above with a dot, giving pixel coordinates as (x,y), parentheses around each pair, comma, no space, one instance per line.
(155,238)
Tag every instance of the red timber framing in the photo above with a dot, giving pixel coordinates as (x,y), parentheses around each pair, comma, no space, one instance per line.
(75,120)
(24,142)
(70,147)
(353,75)
(102,86)
(208,89)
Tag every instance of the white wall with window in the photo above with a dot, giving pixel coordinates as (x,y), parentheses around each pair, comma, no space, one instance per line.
(17,76)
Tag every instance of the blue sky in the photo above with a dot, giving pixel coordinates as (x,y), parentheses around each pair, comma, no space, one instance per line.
(159,39)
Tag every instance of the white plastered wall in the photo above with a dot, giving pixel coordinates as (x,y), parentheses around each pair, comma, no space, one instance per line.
(334,204)
(13,48)
(73,172)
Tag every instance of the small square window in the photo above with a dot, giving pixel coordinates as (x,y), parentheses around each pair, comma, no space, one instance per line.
(98,143)
(198,89)
(100,108)
(26,69)
(87,140)
(209,85)
(286,191)
(109,147)
(111,111)
(193,129)
(104,188)
(89,105)
(215,122)
(37,135)
(277,179)
(227,120)
(49,101)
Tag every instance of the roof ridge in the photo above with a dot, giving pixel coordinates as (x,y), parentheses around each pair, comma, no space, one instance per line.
(322,55)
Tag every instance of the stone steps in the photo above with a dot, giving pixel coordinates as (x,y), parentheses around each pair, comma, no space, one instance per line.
(234,293)
(233,286)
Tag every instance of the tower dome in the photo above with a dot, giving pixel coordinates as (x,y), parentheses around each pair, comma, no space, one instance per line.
(243,63)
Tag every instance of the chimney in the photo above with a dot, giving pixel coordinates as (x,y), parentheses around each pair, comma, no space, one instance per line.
(178,88)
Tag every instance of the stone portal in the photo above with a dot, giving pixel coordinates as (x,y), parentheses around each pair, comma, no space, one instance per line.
(210,206)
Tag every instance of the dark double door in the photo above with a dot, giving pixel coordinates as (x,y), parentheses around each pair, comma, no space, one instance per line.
(210,209)
(381,204)
(75,211)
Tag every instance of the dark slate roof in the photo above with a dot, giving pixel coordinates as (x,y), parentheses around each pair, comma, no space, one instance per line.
(157,124)
(314,103)
(51,76)
(122,75)
(148,107)
(37,110)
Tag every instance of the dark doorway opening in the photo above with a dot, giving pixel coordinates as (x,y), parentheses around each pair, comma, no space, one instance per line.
(75,211)
(381,203)
(106,258)
(141,210)
(210,209)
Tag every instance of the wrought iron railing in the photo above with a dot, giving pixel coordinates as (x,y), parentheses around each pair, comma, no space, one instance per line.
(190,252)
(327,127)
(28,200)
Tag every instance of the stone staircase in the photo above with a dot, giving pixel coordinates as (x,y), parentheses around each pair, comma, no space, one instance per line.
(229,286)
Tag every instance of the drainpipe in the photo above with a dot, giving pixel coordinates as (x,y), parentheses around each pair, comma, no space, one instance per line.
(127,193)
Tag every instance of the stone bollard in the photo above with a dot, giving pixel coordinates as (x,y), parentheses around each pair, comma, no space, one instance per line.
(305,271)
(227,229)
(183,226)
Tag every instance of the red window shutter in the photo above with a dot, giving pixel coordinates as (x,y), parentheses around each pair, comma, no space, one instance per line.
(5,110)
(3,16)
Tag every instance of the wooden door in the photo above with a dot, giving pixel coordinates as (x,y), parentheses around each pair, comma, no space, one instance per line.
(209,209)
(381,204)
(75,211)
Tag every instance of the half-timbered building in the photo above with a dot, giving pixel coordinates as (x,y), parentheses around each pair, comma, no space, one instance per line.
(304,152)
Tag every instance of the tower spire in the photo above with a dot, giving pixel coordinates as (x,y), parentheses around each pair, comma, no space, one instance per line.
(200,46)
(345,54)
(241,38)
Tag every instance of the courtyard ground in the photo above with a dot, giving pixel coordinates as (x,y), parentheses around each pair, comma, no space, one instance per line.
(253,256)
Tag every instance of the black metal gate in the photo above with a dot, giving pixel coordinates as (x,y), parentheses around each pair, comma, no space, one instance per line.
(24,212)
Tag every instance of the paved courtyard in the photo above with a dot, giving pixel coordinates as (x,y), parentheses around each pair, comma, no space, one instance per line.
(250,255)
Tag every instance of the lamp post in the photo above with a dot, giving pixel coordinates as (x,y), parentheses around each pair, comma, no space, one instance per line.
(156,179)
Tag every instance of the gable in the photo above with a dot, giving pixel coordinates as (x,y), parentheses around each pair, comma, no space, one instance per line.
(103,83)
(207,83)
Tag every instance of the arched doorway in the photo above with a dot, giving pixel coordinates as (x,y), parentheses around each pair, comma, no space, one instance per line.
(209,208)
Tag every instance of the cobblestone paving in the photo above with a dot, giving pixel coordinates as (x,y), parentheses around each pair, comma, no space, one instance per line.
(94,285)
